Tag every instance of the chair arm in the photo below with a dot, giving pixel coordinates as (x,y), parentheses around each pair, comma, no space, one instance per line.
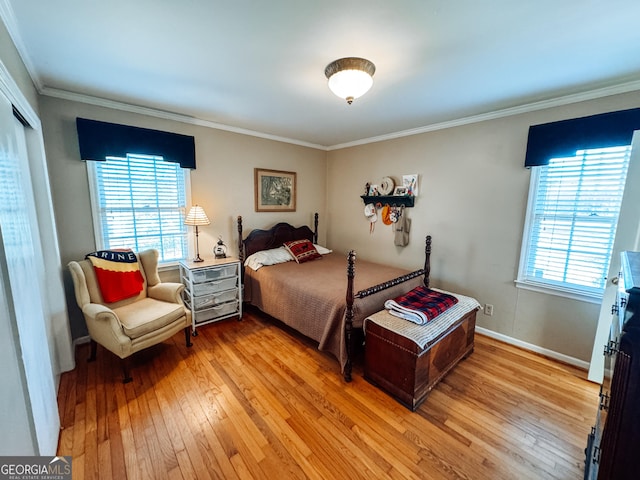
(105,328)
(167,292)
(101,313)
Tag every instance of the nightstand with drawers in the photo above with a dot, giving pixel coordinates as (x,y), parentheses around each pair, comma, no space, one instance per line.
(213,290)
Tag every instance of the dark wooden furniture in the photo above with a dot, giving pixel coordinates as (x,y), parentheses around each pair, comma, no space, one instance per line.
(614,442)
(274,237)
(408,372)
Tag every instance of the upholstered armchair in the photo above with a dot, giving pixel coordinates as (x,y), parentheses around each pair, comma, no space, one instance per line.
(132,324)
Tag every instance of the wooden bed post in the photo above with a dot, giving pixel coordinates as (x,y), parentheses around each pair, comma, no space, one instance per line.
(315,227)
(427,260)
(240,249)
(348,321)
(259,240)
(240,246)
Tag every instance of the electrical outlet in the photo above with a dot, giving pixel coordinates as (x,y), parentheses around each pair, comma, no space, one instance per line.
(488,309)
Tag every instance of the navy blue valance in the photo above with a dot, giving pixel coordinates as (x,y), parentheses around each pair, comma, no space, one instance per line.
(99,140)
(564,138)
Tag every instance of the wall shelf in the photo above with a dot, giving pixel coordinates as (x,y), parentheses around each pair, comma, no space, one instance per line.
(391,200)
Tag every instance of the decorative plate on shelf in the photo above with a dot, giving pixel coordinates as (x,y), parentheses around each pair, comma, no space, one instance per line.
(386,186)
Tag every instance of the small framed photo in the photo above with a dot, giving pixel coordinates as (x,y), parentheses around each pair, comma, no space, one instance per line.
(374,190)
(275,190)
(400,191)
(411,184)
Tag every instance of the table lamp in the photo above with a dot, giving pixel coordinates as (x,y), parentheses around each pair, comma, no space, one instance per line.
(196,218)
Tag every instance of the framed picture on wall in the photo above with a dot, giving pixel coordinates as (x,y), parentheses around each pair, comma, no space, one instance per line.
(275,190)
(410,182)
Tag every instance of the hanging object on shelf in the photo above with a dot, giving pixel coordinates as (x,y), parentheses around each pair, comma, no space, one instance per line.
(396,213)
(402,227)
(386,215)
(220,250)
(386,186)
(372,216)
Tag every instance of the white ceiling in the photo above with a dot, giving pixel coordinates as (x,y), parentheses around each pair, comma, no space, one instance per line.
(259,65)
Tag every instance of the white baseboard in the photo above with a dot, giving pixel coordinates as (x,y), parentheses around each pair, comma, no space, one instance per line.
(489,333)
(534,348)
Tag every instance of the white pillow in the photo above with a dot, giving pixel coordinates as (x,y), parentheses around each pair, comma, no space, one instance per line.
(268,257)
(322,250)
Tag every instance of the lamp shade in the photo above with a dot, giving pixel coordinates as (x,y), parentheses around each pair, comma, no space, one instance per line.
(197,216)
(350,77)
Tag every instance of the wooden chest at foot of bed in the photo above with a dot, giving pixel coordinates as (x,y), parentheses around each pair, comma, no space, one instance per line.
(408,372)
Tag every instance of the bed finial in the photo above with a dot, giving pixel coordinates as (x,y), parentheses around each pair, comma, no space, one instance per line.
(315,227)
(240,245)
(427,260)
(348,319)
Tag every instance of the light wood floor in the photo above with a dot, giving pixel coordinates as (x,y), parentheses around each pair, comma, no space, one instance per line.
(252,400)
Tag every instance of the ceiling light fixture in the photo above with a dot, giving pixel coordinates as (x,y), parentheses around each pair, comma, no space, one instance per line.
(350,77)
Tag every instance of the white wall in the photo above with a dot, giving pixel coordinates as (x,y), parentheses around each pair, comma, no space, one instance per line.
(222,183)
(473,194)
(473,198)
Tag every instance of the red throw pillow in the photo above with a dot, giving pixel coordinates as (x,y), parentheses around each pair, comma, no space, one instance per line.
(302,250)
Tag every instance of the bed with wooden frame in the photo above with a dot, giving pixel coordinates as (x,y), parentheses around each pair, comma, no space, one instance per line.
(323,299)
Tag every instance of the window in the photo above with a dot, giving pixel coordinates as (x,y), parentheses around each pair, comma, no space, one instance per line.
(139,202)
(573,210)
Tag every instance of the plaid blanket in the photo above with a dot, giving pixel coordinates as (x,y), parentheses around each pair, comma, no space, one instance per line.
(420,305)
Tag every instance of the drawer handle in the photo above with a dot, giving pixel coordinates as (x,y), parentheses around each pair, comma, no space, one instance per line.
(604,402)
(611,348)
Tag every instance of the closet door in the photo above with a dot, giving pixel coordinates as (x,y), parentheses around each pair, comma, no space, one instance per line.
(29,379)
(627,238)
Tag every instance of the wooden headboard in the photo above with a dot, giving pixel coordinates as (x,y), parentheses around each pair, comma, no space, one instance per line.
(274,237)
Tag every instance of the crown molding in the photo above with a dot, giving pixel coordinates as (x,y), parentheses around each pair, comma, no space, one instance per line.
(507,112)
(9,20)
(176,117)
(12,91)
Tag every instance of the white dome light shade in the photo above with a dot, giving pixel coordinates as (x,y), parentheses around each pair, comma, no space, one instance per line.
(350,78)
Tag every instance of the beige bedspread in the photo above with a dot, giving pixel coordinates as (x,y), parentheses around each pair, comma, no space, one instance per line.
(311,297)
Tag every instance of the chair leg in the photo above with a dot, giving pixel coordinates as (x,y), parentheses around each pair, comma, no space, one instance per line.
(187,336)
(94,347)
(125,370)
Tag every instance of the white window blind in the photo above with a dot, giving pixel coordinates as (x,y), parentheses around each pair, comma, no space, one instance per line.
(572,218)
(139,203)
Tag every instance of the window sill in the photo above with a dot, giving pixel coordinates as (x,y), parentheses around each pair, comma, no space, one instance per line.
(168,267)
(560,292)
